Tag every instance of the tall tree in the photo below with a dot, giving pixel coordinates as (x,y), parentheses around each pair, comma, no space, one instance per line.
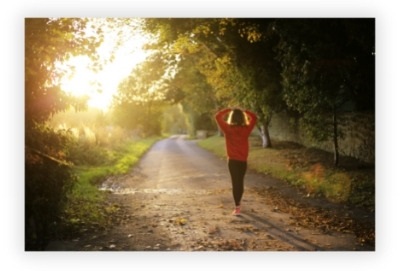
(253,52)
(321,70)
(47,174)
(236,59)
(187,85)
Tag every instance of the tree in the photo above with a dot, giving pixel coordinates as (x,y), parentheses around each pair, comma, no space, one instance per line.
(256,60)
(47,172)
(313,67)
(321,72)
(49,42)
(187,85)
(234,55)
(138,103)
(190,89)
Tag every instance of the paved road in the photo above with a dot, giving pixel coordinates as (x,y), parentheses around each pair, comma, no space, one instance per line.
(179,198)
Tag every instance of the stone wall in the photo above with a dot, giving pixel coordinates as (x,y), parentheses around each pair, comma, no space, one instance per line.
(358,134)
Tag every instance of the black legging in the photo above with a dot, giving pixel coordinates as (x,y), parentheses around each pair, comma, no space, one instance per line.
(237,169)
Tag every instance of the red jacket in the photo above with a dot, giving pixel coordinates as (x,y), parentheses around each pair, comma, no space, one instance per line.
(236,137)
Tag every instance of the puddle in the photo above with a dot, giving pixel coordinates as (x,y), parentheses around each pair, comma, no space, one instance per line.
(132,191)
(168,191)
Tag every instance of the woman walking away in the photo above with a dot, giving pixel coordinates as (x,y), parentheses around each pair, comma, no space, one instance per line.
(237,130)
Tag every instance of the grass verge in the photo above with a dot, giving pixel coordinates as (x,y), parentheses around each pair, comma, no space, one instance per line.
(312,170)
(87,206)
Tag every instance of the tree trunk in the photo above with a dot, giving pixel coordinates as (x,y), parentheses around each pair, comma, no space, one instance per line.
(335,139)
(264,134)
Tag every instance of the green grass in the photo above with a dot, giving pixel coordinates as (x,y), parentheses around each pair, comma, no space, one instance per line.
(86,203)
(309,169)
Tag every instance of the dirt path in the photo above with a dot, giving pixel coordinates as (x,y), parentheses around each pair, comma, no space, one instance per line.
(179,198)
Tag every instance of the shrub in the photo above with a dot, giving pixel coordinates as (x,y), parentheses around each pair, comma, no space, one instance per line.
(47,179)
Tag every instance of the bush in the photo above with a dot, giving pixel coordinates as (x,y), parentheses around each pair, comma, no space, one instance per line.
(86,153)
(48,177)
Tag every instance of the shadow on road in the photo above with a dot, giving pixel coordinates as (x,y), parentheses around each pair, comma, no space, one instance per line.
(283,235)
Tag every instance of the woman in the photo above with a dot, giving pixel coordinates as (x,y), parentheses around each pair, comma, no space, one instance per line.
(237,130)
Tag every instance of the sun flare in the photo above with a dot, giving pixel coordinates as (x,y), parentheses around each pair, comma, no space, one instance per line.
(80,80)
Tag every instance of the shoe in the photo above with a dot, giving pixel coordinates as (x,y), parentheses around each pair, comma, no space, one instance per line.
(236,211)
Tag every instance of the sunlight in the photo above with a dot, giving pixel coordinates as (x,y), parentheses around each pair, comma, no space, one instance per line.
(81,80)
(78,80)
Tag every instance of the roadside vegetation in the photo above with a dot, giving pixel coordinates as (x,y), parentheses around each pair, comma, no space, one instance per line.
(87,206)
(311,170)
(62,185)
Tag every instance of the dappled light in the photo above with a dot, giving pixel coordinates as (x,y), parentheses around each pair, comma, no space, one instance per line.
(84,76)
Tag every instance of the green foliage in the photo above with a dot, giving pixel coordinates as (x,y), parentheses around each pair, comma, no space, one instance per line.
(173,121)
(47,173)
(86,153)
(138,104)
(131,154)
(143,118)
(92,135)
(48,42)
(222,62)
(321,70)
(48,178)
(312,67)
(190,88)
(214,144)
(58,192)
(86,205)
(256,61)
